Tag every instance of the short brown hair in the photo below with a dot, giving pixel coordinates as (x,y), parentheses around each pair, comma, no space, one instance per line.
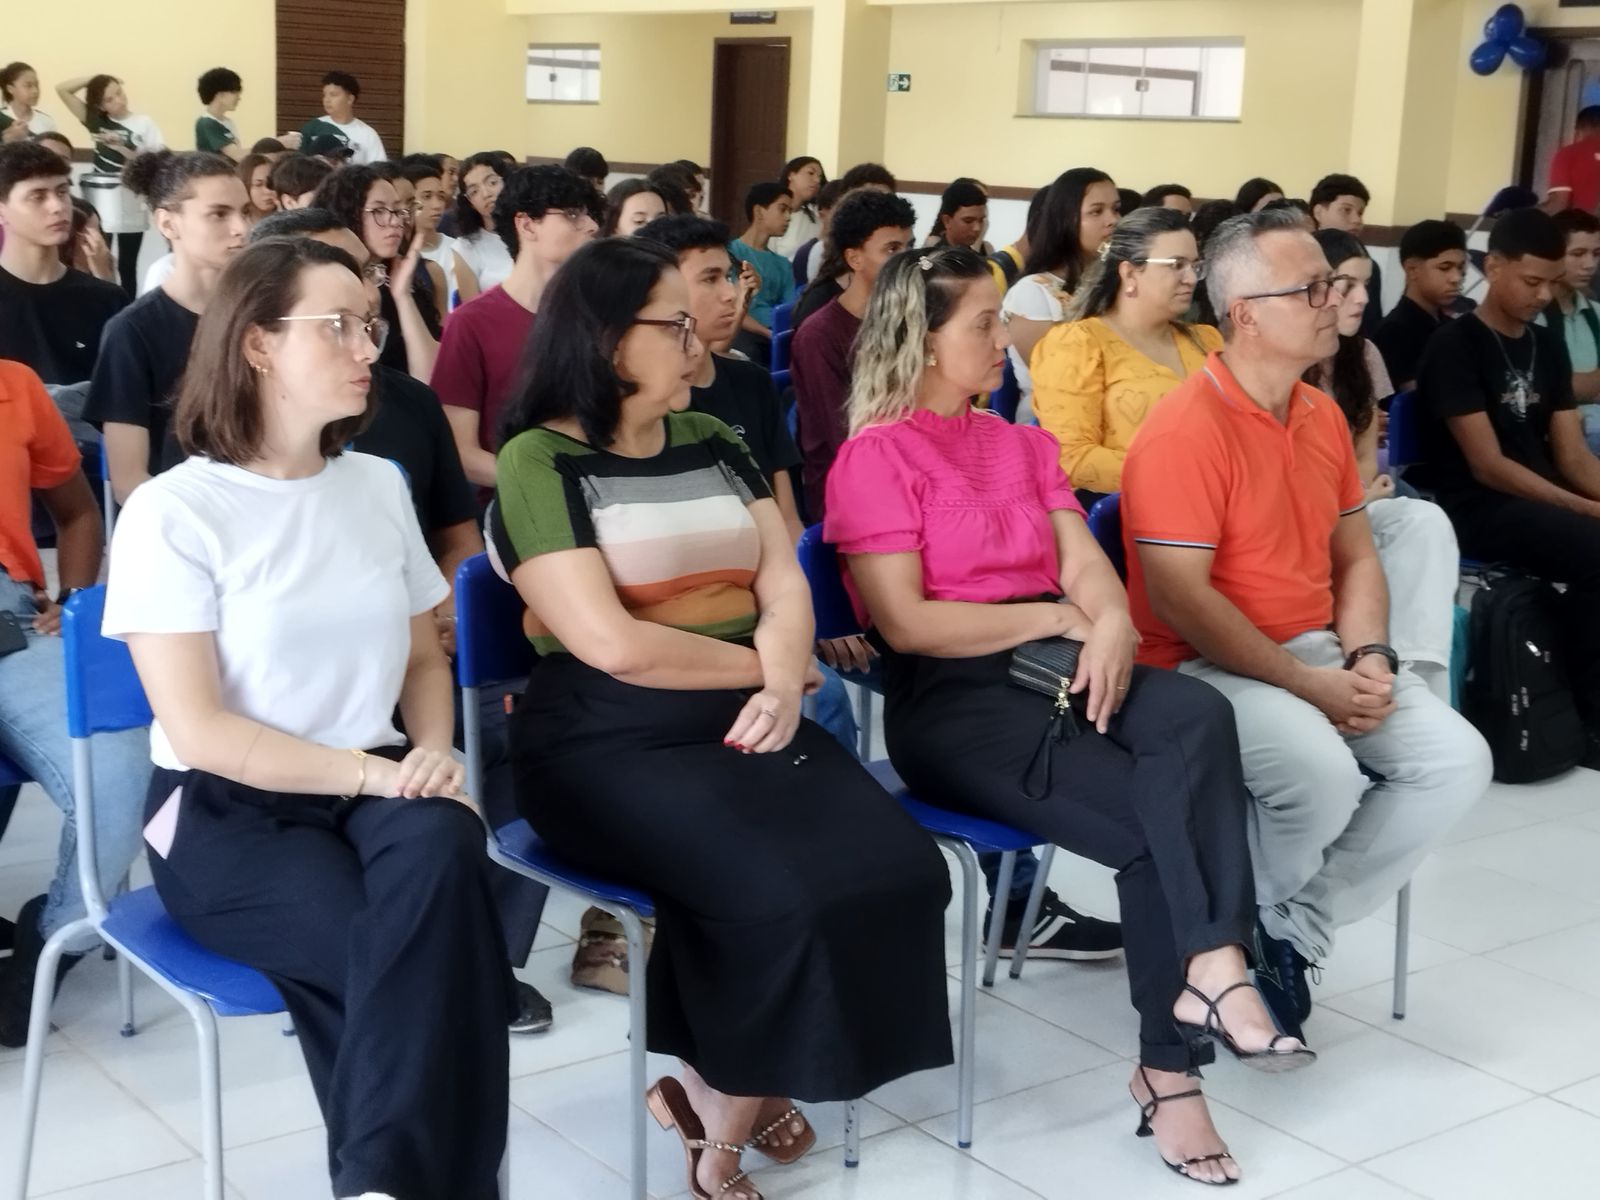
(219,400)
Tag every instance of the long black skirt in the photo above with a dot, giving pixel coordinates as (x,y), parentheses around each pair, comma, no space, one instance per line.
(799,946)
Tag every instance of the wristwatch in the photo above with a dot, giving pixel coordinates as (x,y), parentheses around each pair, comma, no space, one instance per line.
(1361,652)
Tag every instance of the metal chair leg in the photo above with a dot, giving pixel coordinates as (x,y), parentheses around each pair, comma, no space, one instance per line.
(999,905)
(1402,949)
(966,1073)
(633,927)
(852,1133)
(33,1058)
(1030,915)
(205,1029)
(125,992)
(864,722)
(288,1026)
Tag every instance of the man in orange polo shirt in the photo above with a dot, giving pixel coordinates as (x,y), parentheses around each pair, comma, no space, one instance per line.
(1252,566)
(38,457)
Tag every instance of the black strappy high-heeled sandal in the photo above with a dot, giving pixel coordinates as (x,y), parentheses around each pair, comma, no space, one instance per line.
(1147,1112)
(1271,1059)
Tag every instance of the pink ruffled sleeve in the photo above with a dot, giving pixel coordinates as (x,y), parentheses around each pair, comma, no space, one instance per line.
(874,499)
(1055,490)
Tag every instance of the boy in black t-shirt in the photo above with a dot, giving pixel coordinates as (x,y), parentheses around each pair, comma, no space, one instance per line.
(51,316)
(1502,443)
(1433,255)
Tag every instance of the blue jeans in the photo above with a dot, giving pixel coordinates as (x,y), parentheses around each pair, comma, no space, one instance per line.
(33,734)
(1591,425)
(834,712)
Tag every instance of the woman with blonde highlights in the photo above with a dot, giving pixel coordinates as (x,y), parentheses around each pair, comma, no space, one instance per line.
(963,542)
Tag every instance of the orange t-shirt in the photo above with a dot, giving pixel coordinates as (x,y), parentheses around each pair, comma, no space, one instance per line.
(36,451)
(1210,468)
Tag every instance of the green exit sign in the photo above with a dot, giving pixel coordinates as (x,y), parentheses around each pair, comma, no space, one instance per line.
(900,81)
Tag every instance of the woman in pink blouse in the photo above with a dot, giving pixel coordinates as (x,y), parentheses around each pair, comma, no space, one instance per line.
(962,541)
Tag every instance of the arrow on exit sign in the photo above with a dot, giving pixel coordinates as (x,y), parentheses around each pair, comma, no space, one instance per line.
(900,81)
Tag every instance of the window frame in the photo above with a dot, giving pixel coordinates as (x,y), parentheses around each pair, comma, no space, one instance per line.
(529,61)
(1037,51)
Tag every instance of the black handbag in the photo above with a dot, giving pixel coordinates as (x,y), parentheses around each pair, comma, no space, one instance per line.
(1047,666)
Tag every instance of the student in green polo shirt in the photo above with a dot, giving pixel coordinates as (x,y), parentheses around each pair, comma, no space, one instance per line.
(340,91)
(214,129)
(1577,317)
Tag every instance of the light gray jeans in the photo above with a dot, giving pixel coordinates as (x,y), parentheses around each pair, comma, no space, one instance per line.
(1330,845)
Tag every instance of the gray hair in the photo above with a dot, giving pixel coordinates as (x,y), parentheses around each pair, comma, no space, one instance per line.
(1234,262)
(1097,288)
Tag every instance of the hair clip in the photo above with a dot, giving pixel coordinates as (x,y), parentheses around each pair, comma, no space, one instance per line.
(925,262)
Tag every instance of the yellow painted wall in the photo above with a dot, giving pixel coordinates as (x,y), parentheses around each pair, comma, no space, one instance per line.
(158,55)
(960,117)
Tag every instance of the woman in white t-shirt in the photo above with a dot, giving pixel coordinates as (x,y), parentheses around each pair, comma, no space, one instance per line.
(19,92)
(478,246)
(277,596)
(119,134)
(1080,212)
(804,178)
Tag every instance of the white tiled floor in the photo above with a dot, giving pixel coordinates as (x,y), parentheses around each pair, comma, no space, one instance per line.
(1489,1088)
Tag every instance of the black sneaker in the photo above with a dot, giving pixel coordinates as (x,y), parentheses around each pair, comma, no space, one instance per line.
(1591,755)
(16,974)
(1281,975)
(534,1014)
(1061,932)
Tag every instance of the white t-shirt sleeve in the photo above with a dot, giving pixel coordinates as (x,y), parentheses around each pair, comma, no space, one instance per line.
(1031,300)
(162,578)
(158,273)
(425,585)
(371,145)
(147,132)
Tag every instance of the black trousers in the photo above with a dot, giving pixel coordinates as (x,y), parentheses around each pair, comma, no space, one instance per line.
(1160,797)
(375,921)
(1550,543)
(128,261)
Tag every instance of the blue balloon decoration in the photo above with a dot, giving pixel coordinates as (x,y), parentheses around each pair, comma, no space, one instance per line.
(1486,59)
(1506,25)
(1528,53)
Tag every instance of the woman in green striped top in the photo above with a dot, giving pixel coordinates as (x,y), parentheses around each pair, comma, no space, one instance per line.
(661,740)
(119,133)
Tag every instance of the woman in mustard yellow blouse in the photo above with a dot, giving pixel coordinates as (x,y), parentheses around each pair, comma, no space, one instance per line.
(1122,347)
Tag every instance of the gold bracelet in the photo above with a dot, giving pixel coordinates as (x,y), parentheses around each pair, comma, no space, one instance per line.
(361,781)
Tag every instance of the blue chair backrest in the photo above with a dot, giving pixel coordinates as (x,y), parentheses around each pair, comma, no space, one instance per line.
(782,380)
(490,644)
(1105,522)
(829,601)
(1005,398)
(780,351)
(103,690)
(782,320)
(1405,433)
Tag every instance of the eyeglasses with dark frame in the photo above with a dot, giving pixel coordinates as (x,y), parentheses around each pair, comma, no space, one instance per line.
(387,217)
(347,326)
(1178,263)
(575,214)
(683,322)
(1317,292)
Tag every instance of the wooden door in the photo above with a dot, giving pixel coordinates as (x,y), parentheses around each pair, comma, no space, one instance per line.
(364,37)
(749,121)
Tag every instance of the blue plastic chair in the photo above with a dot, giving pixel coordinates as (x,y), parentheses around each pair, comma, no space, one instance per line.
(830,606)
(491,649)
(1405,431)
(1105,522)
(782,346)
(1005,398)
(782,321)
(104,696)
(963,836)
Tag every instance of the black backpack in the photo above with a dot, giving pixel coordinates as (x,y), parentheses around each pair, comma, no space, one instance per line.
(1516,691)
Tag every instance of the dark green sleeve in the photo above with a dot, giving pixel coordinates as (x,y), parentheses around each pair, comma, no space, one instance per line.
(211,135)
(540,502)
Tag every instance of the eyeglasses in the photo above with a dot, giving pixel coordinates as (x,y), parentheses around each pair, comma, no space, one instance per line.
(351,329)
(389,216)
(575,215)
(1179,264)
(1316,292)
(682,322)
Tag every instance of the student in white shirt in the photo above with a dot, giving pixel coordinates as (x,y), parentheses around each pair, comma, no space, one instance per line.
(804,178)
(340,91)
(19,92)
(425,173)
(477,244)
(277,595)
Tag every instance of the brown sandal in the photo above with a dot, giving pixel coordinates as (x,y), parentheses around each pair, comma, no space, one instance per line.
(784,1155)
(669,1105)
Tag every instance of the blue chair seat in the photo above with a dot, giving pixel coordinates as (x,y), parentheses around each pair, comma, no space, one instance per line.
(138,922)
(518,841)
(983,836)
